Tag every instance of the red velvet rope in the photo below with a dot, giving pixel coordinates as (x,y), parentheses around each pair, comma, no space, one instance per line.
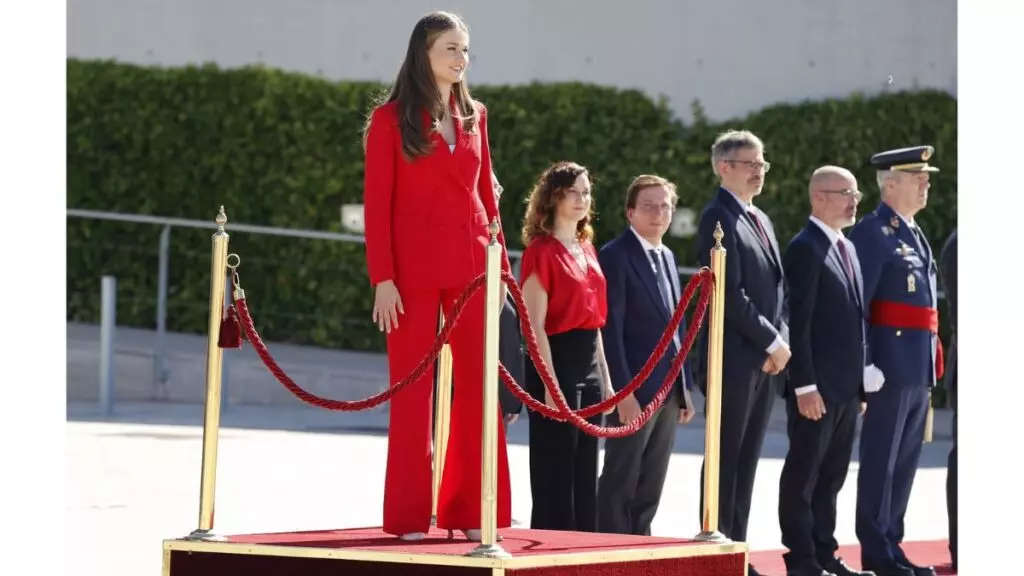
(562,412)
(425,364)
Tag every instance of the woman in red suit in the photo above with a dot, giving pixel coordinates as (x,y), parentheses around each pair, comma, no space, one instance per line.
(428,202)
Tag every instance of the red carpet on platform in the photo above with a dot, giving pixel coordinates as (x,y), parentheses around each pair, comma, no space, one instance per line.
(933,553)
(370,551)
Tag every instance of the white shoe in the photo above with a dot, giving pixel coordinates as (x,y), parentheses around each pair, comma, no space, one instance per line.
(413,536)
(475,535)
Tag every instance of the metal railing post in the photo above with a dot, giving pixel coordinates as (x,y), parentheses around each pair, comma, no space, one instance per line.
(108,322)
(160,372)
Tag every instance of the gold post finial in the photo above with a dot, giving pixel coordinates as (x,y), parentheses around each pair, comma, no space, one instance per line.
(718,235)
(222,218)
(493,229)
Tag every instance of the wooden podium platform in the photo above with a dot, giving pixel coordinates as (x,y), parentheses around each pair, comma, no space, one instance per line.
(370,551)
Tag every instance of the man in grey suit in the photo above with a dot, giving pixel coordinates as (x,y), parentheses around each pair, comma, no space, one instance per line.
(948,270)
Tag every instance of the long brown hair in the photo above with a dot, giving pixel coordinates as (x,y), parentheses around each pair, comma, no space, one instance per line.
(416,91)
(542,204)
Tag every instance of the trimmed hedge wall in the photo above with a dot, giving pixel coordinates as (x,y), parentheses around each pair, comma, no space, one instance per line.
(283,149)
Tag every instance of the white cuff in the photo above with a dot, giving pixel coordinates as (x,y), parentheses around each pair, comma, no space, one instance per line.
(775,345)
(806,389)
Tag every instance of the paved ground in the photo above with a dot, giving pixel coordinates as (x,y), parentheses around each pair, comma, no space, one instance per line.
(133,480)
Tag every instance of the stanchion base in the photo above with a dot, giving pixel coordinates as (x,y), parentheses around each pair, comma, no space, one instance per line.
(199,535)
(714,537)
(488,551)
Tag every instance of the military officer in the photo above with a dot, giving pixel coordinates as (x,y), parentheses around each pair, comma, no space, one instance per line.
(900,280)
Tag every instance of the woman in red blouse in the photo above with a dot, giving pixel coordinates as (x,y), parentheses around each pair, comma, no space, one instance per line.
(564,290)
(428,200)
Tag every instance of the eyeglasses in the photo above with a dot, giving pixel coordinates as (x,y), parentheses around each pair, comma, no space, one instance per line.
(765,166)
(846,193)
(656,208)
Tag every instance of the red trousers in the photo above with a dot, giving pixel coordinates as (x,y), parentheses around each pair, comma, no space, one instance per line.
(408,480)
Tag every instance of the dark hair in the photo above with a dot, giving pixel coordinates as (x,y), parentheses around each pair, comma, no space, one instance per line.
(547,192)
(644,181)
(415,89)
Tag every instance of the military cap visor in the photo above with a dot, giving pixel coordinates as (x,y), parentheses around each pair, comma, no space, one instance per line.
(913,159)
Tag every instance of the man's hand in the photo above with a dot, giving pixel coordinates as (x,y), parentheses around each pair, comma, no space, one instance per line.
(811,405)
(629,409)
(687,412)
(511,419)
(769,367)
(781,357)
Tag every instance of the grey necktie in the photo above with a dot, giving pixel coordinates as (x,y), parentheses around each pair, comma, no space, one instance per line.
(659,276)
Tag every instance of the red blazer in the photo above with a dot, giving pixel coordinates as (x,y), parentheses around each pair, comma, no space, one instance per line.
(427,220)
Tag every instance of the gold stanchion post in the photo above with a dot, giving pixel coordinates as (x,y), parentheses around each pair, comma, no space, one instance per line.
(214,365)
(489,547)
(442,414)
(713,423)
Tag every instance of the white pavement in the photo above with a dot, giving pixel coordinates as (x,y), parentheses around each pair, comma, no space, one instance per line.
(133,480)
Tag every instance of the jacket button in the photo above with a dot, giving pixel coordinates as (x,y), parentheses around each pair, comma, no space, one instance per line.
(898,332)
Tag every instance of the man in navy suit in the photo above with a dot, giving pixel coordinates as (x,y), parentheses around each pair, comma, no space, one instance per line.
(900,281)
(643,292)
(828,374)
(756,335)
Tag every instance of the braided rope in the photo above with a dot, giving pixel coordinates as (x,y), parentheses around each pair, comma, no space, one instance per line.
(562,412)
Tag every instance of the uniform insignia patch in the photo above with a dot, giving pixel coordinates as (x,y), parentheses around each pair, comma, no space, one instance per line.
(894,222)
(911,283)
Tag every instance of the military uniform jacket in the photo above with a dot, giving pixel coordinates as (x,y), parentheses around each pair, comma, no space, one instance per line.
(900,283)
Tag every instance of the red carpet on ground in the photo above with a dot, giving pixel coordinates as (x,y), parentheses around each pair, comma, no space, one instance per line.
(521,543)
(932,553)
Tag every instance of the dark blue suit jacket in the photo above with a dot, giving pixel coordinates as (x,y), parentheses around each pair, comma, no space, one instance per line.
(897,267)
(755,290)
(826,318)
(637,316)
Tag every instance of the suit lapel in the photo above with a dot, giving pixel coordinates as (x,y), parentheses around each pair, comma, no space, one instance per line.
(451,159)
(642,265)
(748,220)
(835,261)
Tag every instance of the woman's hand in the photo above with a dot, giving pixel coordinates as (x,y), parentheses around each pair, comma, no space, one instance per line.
(606,393)
(387,305)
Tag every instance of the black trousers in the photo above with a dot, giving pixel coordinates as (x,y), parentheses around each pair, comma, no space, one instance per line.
(634,471)
(951,487)
(564,460)
(746,410)
(812,476)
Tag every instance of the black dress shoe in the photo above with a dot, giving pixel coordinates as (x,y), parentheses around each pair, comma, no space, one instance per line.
(920,570)
(887,568)
(809,572)
(751,571)
(840,568)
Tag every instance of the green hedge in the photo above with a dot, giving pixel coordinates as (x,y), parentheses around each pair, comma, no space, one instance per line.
(283,149)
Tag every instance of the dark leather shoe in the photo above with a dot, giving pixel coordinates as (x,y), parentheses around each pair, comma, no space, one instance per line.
(809,572)
(840,568)
(921,570)
(887,568)
(751,571)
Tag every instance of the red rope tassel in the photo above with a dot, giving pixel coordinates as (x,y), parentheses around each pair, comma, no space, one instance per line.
(230,332)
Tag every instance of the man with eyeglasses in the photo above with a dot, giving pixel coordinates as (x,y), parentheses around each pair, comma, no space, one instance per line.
(828,375)
(756,334)
(900,287)
(643,293)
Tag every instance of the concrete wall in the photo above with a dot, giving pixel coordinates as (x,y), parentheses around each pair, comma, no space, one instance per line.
(735,56)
